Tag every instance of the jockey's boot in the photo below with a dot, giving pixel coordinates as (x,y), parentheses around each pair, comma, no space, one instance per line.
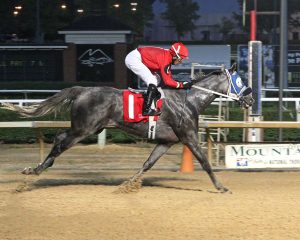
(152,93)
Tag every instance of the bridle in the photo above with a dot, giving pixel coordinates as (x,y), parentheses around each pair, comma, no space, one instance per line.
(228,95)
(240,94)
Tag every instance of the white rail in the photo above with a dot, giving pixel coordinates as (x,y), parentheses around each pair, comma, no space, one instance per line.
(29,91)
(21,102)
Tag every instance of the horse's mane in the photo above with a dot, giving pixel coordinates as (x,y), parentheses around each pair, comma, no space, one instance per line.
(200,75)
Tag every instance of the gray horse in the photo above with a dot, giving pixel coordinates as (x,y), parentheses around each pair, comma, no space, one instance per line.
(93,108)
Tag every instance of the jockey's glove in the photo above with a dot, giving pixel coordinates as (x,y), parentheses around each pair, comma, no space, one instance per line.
(187,85)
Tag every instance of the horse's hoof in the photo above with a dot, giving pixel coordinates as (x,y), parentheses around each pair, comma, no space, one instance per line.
(130,186)
(224,190)
(22,187)
(30,171)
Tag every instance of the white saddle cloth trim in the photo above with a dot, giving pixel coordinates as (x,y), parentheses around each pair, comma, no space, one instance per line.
(131,106)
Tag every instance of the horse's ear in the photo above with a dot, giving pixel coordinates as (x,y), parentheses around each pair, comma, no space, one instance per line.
(233,68)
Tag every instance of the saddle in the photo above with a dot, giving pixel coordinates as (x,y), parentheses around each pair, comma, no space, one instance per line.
(133,102)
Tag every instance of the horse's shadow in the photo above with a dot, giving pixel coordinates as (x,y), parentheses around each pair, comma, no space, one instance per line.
(29,184)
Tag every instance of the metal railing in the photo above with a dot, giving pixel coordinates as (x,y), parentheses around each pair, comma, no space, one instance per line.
(26,92)
(21,102)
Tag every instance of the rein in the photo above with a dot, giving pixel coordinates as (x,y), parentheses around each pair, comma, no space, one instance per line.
(217,93)
(214,92)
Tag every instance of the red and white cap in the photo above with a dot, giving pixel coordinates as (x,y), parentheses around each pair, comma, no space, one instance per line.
(180,50)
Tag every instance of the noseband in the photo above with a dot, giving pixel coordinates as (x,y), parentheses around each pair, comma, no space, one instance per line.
(228,95)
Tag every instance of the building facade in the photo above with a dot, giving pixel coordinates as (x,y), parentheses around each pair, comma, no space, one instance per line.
(94,51)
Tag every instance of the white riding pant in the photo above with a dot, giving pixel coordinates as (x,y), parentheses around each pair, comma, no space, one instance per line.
(134,62)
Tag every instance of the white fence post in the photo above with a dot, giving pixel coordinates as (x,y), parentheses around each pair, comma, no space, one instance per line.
(297,106)
(102,139)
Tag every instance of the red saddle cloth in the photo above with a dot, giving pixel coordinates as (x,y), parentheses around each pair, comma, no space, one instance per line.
(133,107)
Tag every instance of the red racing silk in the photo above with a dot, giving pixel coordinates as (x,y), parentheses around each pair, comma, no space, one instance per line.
(159,60)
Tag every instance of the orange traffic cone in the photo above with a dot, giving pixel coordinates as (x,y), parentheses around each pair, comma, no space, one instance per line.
(187,164)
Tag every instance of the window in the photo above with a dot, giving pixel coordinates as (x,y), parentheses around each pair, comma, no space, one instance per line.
(205,35)
(31,65)
(295,35)
(295,77)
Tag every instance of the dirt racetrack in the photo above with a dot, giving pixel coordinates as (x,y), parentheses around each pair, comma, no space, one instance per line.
(75,199)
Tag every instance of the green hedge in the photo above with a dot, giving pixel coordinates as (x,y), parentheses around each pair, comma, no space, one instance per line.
(270,113)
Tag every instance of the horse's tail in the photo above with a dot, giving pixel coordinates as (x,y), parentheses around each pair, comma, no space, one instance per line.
(61,99)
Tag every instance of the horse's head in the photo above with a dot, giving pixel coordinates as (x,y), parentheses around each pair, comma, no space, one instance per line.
(239,89)
(225,83)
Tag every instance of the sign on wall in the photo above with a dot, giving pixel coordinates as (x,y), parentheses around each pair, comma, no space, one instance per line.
(206,55)
(202,54)
(271,54)
(95,63)
(268,52)
(262,156)
(22,64)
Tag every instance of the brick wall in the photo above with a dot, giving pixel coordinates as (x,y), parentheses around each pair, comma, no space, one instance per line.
(69,63)
(121,72)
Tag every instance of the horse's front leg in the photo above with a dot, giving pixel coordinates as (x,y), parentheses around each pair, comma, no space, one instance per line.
(192,142)
(135,182)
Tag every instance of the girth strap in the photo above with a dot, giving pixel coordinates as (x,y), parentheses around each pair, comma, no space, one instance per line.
(152,128)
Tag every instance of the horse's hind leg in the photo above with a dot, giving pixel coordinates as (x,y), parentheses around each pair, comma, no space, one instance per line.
(62,142)
(135,182)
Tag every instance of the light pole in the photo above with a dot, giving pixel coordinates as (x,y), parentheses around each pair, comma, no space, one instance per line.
(283,66)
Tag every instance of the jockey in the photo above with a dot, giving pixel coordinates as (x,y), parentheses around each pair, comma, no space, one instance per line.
(146,61)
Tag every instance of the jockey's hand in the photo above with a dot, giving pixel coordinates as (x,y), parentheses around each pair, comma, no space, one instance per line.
(187,85)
